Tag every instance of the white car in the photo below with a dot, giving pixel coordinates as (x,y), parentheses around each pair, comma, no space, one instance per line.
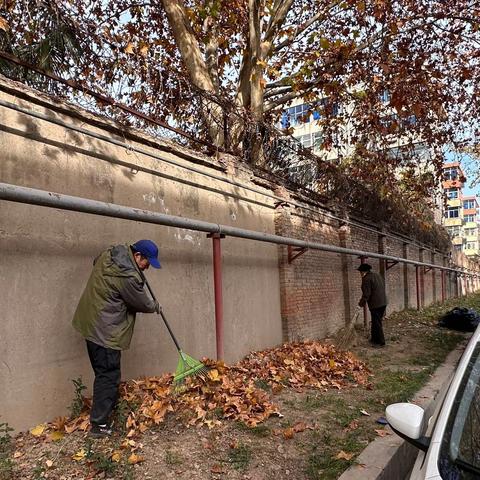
(449,441)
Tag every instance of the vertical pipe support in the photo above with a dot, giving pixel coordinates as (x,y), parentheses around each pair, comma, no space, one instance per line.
(443,285)
(218,291)
(421,278)
(365,312)
(417,284)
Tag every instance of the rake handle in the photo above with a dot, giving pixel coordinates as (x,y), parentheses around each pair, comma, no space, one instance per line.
(161,313)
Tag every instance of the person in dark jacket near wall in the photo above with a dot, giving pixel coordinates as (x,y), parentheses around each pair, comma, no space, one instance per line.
(105,317)
(373,295)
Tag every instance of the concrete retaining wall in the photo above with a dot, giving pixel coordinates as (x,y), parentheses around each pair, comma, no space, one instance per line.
(46,258)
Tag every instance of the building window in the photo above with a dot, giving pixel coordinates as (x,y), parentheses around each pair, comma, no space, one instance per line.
(454,231)
(450,173)
(469,203)
(385,96)
(305,140)
(296,115)
(451,193)
(390,121)
(330,107)
(471,246)
(410,120)
(457,247)
(305,113)
(470,232)
(469,218)
(311,140)
(317,140)
(452,212)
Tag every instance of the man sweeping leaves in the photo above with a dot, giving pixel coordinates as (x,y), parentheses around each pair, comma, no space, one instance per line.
(105,316)
(373,295)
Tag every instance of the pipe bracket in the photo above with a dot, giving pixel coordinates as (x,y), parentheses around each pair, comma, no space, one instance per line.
(294,252)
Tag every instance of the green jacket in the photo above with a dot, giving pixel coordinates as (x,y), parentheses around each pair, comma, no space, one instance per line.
(105,314)
(373,291)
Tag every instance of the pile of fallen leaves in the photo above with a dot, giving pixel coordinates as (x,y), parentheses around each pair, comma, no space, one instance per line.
(304,364)
(239,392)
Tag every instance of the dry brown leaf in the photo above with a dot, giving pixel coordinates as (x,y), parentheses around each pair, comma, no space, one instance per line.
(49,463)
(18,454)
(4,25)
(55,436)
(288,433)
(353,425)
(217,468)
(129,48)
(116,456)
(343,455)
(80,455)
(300,427)
(382,433)
(38,430)
(133,459)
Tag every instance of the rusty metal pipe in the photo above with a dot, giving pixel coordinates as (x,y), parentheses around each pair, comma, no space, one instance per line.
(218,293)
(44,198)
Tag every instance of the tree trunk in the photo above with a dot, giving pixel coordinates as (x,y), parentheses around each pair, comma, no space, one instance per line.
(197,69)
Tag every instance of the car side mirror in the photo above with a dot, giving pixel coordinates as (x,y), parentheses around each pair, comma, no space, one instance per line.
(406,420)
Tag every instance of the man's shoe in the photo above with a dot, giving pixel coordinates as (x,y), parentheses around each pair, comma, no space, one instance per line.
(100,431)
(377,345)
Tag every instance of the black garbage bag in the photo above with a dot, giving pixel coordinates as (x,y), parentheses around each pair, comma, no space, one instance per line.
(460,318)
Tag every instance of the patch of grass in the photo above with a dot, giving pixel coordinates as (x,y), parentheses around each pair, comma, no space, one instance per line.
(310,402)
(262,384)
(173,458)
(321,462)
(324,447)
(322,466)
(439,343)
(77,404)
(217,413)
(313,402)
(240,456)
(258,431)
(6,463)
(127,474)
(344,417)
(121,414)
(38,472)
(399,386)
(100,460)
(103,462)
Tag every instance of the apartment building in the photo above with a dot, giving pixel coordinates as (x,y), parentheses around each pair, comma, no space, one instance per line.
(305,121)
(461,211)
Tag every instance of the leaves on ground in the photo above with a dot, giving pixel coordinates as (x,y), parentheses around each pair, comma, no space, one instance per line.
(228,392)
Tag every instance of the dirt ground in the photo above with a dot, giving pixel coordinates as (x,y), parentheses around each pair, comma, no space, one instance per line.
(319,434)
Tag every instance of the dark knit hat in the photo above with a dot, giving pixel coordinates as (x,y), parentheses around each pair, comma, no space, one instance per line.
(364,267)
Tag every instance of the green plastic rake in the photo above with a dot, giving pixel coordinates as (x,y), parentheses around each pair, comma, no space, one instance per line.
(187,366)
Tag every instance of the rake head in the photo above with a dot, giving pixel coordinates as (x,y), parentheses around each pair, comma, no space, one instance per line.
(188,367)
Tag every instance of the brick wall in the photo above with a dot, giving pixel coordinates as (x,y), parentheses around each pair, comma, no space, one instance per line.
(311,287)
(320,290)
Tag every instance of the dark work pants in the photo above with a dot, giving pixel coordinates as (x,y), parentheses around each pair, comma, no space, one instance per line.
(377,329)
(106,365)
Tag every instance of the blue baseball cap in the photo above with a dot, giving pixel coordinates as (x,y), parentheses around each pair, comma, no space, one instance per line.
(149,250)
